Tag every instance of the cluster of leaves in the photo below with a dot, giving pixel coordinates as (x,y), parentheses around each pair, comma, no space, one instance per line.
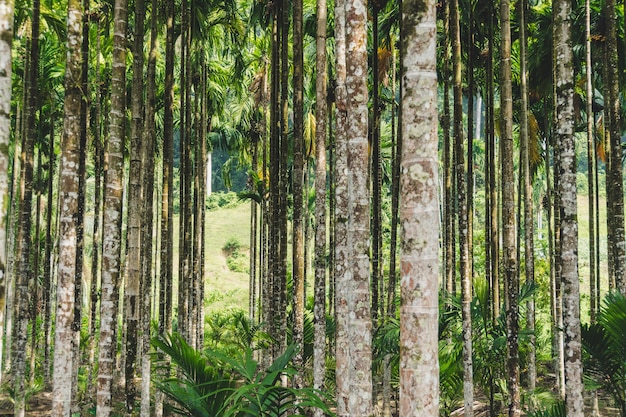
(604,343)
(212,383)
(222,200)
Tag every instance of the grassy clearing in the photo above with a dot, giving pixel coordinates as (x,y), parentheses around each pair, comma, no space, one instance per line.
(224,288)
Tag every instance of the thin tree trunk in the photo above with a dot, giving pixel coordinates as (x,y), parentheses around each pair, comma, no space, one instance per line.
(149,135)
(112,223)
(462,212)
(448,180)
(80,214)
(564,129)
(98,162)
(376,182)
(342,286)
(321,109)
(419,215)
(6,36)
(166,248)
(280,284)
(298,189)
(69,173)
(357,299)
(508,214)
(132,289)
(529,230)
(395,197)
(614,174)
(47,269)
(22,297)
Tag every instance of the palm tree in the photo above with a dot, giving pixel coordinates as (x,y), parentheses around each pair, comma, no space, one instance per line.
(23,248)
(529,257)
(298,185)
(149,139)
(564,139)
(319,309)
(112,224)
(615,198)
(419,214)
(167,226)
(6,22)
(508,211)
(64,334)
(462,213)
(339,268)
(132,289)
(357,263)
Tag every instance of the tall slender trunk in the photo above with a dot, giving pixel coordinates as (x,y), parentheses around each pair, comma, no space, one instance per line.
(269,301)
(6,36)
(492,161)
(593,289)
(80,214)
(22,297)
(529,230)
(342,286)
(47,269)
(462,212)
(357,273)
(149,159)
(448,180)
(280,284)
(508,213)
(112,223)
(614,175)
(132,289)
(564,129)
(321,109)
(395,197)
(419,214)
(98,163)
(376,182)
(298,188)
(69,177)
(166,248)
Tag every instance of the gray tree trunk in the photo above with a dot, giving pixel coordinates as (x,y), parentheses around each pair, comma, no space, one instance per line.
(357,273)
(6,36)
(419,214)
(508,213)
(112,222)
(564,130)
(70,155)
(319,309)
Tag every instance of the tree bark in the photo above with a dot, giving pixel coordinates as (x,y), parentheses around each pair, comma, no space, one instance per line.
(529,230)
(508,213)
(64,335)
(419,214)
(564,130)
(462,212)
(132,298)
(319,308)
(22,295)
(112,223)
(357,273)
(298,189)
(615,198)
(6,36)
